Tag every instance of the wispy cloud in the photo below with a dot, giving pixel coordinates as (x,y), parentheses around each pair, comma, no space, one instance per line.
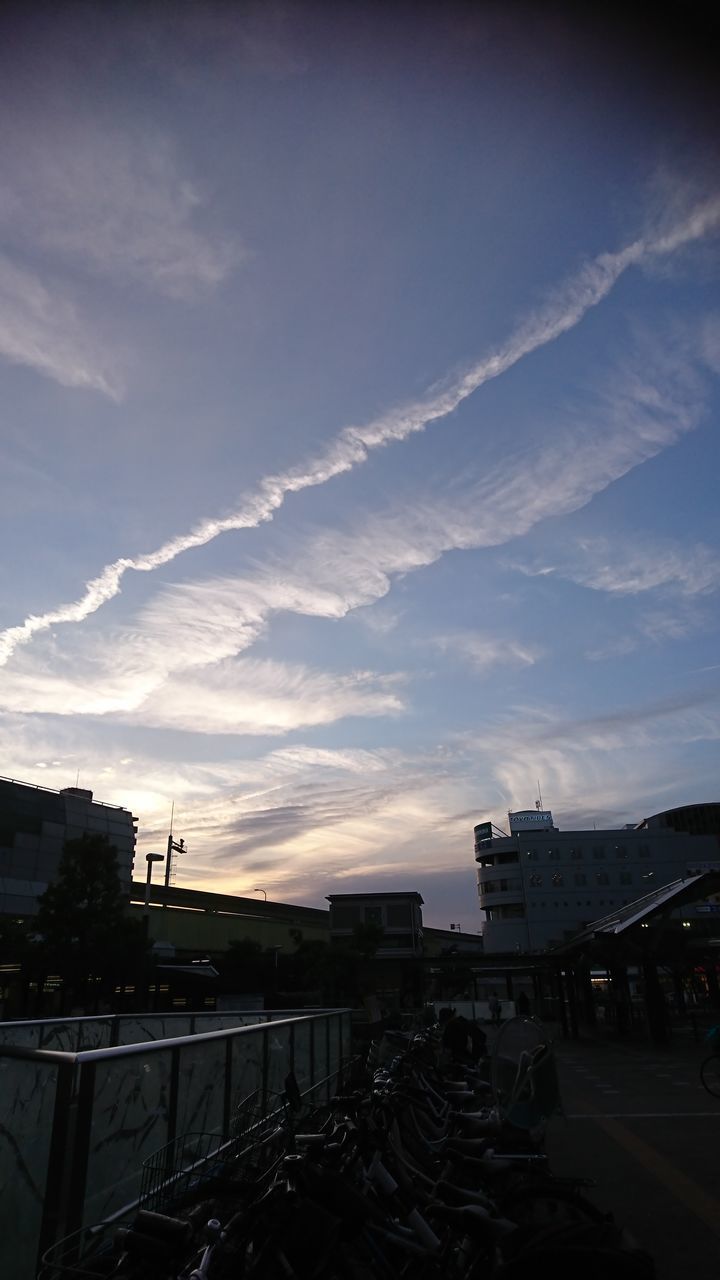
(261,697)
(353,444)
(589,766)
(110,200)
(41,328)
(622,568)
(483,652)
(177,663)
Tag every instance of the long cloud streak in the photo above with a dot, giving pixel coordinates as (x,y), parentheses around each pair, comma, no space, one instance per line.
(353,444)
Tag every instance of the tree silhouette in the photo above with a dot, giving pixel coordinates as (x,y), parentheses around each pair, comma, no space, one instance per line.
(84,932)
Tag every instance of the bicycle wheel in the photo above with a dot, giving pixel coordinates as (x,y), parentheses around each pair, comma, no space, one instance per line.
(544,1205)
(710,1074)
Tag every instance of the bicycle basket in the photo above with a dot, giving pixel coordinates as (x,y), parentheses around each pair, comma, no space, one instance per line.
(523,1074)
(87,1254)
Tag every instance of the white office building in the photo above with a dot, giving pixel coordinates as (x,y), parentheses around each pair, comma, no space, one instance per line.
(539,885)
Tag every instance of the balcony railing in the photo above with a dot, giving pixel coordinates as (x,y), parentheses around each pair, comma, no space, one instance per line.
(79,1121)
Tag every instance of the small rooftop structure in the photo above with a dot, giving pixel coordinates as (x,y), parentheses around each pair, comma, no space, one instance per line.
(398,914)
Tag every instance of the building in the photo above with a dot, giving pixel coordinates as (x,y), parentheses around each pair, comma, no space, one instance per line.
(539,885)
(35,822)
(399,915)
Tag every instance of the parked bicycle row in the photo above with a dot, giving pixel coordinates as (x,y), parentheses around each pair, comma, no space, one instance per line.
(431,1166)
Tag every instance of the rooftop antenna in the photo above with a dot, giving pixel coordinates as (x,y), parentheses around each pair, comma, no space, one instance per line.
(77,778)
(538,802)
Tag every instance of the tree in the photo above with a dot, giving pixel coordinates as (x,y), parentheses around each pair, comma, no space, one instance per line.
(243,966)
(84,933)
(367,937)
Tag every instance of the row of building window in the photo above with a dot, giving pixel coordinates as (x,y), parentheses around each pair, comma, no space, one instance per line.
(598,852)
(516,910)
(556,880)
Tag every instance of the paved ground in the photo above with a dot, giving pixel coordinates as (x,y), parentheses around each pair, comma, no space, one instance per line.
(639,1122)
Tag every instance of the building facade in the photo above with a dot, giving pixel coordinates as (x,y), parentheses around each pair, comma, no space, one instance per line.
(539,885)
(399,915)
(34,825)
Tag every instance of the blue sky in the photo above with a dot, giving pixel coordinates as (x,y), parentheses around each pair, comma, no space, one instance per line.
(359,444)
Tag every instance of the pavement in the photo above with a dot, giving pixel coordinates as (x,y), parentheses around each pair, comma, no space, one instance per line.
(638,1121)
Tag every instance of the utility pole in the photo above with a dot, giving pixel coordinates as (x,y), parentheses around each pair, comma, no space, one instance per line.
(173,846)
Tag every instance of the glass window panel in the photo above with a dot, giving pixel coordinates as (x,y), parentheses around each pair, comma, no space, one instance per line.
(138,1030)
(278,1058)
(27,1104)
(130,1124)
(247,1049)
(303,1039)
(334,1045)
(200,1087)
(25,1034)
(398,916)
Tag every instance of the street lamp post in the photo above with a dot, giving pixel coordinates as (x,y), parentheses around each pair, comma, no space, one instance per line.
(263,892)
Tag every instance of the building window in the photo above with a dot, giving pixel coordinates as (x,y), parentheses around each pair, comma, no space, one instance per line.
(535,880)
(532,854)
(490,886)
(398,916)
(580,877)
(576,855)
(602,877)
(513,911)
(557,879)
(621,851)
(345,916)
(598,851)
(626,877)
(554,855)
(373,915)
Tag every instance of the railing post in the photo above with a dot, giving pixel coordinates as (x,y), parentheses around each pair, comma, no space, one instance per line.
(78,1172)
(227,1094)
(56,1173)
(174,1094)
(327,1057)
(312,1058)
(265,1066)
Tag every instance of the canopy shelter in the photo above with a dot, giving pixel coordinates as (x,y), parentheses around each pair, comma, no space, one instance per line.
(648,933)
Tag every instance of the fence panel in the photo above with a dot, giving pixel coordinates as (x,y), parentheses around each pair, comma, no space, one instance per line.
(27,1107)
(130,1111)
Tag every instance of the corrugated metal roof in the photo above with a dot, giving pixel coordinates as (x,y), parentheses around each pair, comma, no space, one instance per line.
(675,894)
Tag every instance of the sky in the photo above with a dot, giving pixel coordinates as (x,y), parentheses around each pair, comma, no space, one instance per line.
(359,446)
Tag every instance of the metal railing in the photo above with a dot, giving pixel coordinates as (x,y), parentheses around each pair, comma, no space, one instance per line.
(76,1127)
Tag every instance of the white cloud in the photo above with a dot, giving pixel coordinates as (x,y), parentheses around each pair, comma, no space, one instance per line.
(41,328)
(631,568)
(262,697)
(151,669)
(485,651)
(110,200)
(353,444)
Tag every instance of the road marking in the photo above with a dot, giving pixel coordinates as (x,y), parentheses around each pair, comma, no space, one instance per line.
(693,1196)
(642,1115)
